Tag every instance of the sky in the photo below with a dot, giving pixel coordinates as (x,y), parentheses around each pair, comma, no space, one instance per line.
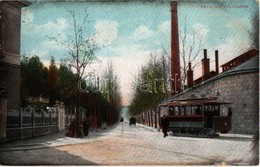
(130,31)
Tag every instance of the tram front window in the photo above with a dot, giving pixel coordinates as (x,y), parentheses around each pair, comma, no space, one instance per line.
(198,111)
(171,111)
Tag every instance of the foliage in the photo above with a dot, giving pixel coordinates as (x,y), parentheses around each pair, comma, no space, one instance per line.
(111,92)
(52,81)
(151,85)
(34,78)
(66,85)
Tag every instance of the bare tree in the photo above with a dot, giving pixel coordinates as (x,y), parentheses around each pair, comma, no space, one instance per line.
(190,48)
(81,48)
(191,44)
(112,94)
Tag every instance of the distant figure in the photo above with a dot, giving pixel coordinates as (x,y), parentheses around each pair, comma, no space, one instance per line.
(165,125)
(198,111)
(132,121)
(229,112)
(122,119)
(85,127)
(72,128)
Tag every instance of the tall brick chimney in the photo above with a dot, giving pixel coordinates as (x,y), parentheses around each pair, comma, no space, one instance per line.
(205,66)
(216,61)
(189,76)
(175,60)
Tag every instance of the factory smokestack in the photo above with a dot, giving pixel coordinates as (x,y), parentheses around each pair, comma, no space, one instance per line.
(175,60)
(216,60)
(205,66)
(189,76)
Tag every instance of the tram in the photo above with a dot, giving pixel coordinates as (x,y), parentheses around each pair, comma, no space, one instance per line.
(200,116)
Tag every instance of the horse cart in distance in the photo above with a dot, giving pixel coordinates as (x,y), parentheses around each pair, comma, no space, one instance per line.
(197,117)
(132,121)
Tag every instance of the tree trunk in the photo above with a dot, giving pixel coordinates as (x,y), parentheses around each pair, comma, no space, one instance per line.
(149,121)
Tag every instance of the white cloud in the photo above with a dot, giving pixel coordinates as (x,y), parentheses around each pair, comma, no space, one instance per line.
(165,27)
(27,16)
(200,29)
(59,24)
(142,32)
(126,65)
(38,52)
(27,20)
(55,28)
(106,31)
(126,68)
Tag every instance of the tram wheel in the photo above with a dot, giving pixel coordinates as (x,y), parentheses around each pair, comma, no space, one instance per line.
(174,132)
(202,132)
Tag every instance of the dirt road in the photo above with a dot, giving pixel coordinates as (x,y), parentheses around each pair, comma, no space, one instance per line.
(130,145)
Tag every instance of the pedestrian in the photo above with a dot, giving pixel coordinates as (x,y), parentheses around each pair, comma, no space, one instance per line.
(165,125)
(229,112)
(72,128)
(85,127)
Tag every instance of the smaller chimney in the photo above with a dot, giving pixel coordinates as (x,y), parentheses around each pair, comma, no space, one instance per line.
(205,53)
(205,65)
(216,60)
(189,76)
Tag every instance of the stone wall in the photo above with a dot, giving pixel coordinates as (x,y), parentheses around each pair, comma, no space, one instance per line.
(10,25)
(12,83)
(242,89)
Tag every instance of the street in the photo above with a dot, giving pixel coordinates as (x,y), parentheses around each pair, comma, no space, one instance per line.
(128,145)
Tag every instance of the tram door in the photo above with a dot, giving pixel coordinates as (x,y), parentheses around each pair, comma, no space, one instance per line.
(210,112)
(209,119)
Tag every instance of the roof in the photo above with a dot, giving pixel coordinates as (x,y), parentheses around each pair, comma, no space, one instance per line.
(243,57)
(18,4)
(197,101)
(250,66)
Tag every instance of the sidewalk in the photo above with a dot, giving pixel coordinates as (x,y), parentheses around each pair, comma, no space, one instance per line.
(127,145)
(59,139)
(51,140)
(54,140)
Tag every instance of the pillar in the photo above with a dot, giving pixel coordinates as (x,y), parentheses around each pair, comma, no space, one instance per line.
(3,115)
(61,117)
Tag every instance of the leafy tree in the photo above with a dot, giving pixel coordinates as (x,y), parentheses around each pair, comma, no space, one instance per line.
(34,78)
(52,81)
(112,94)
(151,85)
(66,85)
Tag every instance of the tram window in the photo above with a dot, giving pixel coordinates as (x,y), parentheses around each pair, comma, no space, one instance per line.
(182,111)
(198,111)
(206,108)
(176,110)
(213,108)
(192,110)
(171,112)
(188,110)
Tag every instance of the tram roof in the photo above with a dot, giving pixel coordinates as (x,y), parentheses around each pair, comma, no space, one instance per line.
(196,102)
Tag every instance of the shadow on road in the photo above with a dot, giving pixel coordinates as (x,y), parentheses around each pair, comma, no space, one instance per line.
(41,156)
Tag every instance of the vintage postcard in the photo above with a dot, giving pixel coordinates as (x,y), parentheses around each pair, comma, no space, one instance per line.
(122,82)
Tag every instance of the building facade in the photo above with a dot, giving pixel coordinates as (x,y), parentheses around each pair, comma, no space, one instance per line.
(239,85)
(10,28)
